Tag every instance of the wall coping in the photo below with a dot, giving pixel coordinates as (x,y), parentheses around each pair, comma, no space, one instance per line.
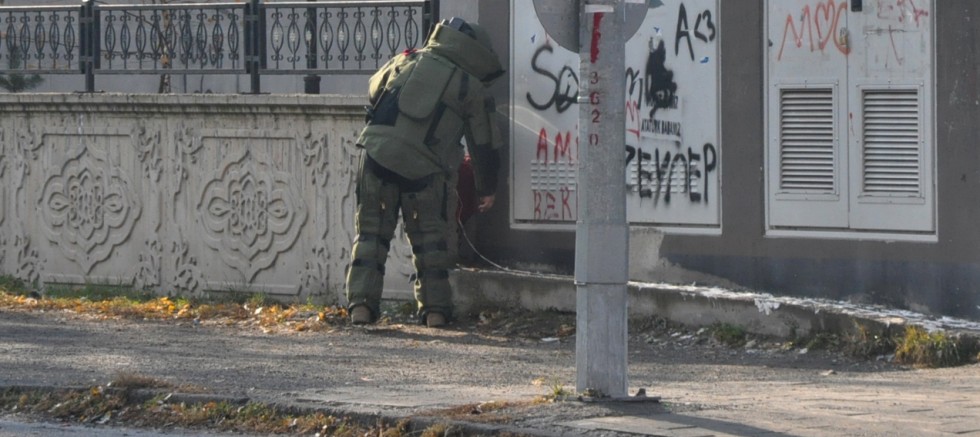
(334,104)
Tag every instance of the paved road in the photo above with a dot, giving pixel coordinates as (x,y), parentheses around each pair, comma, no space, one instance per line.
(400,370)
(15,427)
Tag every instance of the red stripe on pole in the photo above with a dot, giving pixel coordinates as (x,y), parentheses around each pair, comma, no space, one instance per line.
(596,34)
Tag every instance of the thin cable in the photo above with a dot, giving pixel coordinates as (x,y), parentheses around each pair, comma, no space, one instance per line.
(462,229)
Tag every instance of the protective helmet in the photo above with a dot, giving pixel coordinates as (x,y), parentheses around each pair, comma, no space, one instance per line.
(481,36)
(473,30)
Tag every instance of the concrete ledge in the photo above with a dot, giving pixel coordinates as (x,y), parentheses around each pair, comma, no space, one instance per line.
(183,103)
(758,313)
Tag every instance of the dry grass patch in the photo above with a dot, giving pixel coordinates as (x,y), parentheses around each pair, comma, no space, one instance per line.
(935,349)
(100,405)
(113,407)
(100,304)
(498,412)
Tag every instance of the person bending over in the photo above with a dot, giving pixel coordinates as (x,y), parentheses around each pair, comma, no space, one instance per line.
(423,103)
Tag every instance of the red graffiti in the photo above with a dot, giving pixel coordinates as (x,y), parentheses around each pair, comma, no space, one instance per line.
(896,14)
(633,117)
(824,19)
(898,9)
(542,145)
(562,147)
(553,204)
(596,34)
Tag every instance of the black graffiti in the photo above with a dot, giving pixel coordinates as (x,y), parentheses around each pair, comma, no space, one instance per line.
(565,92)
(684,32)
(706,17)
(632,78)
(696,168)
(660,86)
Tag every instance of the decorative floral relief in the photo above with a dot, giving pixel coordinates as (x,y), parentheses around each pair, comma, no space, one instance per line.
(345,183)
(3,153)
(187,278)
(316,274)
(28,143)
(315,156)
(147,274)
(3,183)
(19,169)
(28,268)
(251,213)
(3,145)
(186,146)
(148,150)
(89,209)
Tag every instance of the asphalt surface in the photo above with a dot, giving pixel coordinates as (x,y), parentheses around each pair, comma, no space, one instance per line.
(20,427)
(404,370)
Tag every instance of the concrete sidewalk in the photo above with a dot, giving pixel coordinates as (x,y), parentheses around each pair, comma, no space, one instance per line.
(448,375)
(920,403)
(839,403)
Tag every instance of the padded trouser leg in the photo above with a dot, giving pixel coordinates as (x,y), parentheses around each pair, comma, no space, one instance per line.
(424,215)
(377,215)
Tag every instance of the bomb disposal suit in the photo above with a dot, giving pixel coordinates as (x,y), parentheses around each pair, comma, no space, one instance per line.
(422,104)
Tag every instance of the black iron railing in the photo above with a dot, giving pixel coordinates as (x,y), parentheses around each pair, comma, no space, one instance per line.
(256,38)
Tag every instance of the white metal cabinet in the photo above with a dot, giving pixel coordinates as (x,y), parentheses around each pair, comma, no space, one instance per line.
(672,151)
(850,142)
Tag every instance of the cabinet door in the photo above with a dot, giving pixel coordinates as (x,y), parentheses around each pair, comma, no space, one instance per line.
(850,115)
(890,88)
(806,159)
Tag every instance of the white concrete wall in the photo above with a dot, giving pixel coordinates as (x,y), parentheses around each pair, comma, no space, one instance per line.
(181,194)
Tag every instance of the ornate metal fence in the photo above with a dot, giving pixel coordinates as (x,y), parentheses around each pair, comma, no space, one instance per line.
(256,38)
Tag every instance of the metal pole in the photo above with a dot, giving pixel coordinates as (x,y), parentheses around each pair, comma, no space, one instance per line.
(430,16)
(311,83)
(602,233)
(253,37)
(86,45)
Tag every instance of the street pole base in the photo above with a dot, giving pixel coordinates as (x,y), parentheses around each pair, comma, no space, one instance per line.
(639,397)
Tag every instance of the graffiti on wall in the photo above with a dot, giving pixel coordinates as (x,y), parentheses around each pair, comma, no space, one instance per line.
(552,133)
(704,30)
(671,167)
(555,199)
(565,91)
(823,27)
(898,24)
(902,11)
(815,27)
(671,151)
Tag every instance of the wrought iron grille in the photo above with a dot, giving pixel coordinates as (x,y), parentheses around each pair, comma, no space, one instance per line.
(195,38)
(255,37)
(340,36)
(40,39)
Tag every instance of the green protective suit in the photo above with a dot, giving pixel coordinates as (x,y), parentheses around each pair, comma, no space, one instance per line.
(423,103)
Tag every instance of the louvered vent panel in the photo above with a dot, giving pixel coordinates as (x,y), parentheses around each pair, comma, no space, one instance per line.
(807,140)
(892,142)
